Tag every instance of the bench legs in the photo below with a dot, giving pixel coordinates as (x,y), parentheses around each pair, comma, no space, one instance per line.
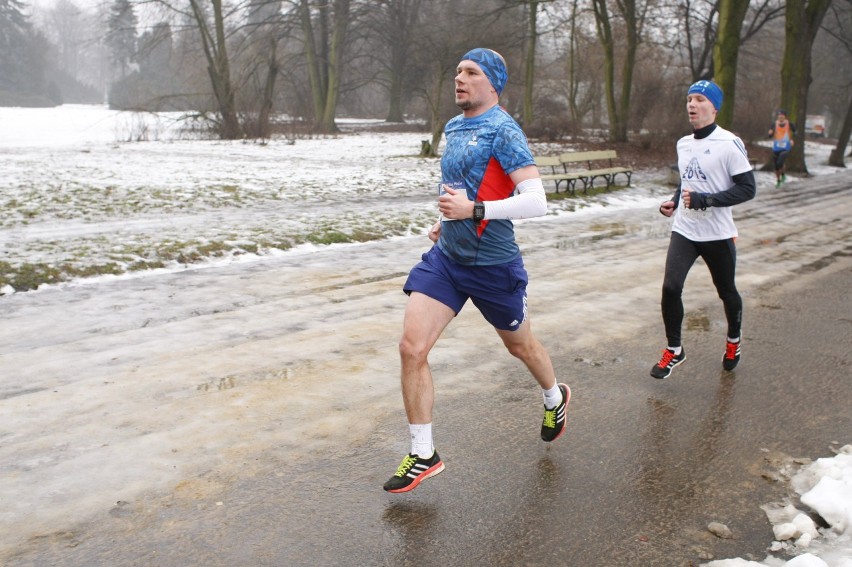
(569,185)
(611,178)
(589,182)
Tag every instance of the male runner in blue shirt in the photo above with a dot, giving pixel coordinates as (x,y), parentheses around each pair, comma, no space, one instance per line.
(489,177)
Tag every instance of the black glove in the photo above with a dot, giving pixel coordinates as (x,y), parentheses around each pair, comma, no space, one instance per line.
(700,201)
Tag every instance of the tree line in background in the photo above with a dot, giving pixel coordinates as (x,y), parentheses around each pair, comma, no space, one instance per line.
(619,67)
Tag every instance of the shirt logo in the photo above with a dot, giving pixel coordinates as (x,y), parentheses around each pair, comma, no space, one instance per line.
(693,172)
(473,141)
(707,151)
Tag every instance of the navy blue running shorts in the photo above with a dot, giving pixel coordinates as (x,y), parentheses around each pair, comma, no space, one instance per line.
(499,292)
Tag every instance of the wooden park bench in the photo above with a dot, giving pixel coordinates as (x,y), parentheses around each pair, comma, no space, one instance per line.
(567,168)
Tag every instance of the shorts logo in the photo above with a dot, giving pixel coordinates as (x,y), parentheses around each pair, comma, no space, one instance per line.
(514,323)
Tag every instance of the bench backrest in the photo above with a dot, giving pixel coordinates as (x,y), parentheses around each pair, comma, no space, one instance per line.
(548,161)
(576,157)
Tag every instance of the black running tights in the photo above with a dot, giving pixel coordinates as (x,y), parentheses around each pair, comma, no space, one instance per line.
(721,259)
(779,158)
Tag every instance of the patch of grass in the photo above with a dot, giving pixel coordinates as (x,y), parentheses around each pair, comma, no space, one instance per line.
(592,191)
(328,236)
(562,195)
(283,243)
(110,268)
(100,256)
(141,265)
(198,253)
(249,248)
(29,276)
(608,227)
(365,235)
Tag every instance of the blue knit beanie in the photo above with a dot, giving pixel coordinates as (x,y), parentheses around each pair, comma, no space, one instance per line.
(491,64)
(710,90)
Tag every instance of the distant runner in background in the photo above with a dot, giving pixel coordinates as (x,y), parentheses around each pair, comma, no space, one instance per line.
(715,174)
(781,132)
(489,177)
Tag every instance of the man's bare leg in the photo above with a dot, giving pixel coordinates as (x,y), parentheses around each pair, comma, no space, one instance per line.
(523,345)
(425,320)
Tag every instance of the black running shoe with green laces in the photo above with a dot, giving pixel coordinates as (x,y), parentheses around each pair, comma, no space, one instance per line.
(667,363)
(732,355)
(412,471)
(553,424)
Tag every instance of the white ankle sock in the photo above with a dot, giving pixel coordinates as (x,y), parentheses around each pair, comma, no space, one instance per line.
(736,340)
(552,397)
(421,439)
(675,349)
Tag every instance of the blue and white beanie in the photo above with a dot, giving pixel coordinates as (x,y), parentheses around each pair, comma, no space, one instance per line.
(491,64)
(710,90)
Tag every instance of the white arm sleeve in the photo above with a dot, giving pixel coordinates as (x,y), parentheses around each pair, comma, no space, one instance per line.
(529,202)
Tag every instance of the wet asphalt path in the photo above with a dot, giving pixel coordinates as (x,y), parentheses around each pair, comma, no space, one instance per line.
(642,470)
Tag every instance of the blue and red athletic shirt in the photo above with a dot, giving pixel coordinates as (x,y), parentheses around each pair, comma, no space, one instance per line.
(480,154)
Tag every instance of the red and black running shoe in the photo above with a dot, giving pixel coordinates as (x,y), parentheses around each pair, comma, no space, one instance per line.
(732,355)
(667,363)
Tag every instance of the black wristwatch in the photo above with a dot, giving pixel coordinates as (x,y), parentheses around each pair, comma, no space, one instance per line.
(478,212)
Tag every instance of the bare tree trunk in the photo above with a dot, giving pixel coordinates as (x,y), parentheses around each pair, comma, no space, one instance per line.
(700,30)
(573,81)
(268,89)
(803,18)
(700,51)
(314,76)
(726,51)
(324,57)
(434,101)
(837,154)
(437,134)
(619,110)
(632,21)
(604,29)
(529,67)
(398,47)
(403,18)
(218,67)
(395,99)
(335,67)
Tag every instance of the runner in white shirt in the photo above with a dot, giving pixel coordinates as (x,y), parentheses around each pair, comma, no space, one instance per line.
(715,175)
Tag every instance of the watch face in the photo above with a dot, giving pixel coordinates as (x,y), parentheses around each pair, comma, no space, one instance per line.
(478,212)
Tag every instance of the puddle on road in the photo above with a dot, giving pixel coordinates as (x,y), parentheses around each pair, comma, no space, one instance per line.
(825,261)
(698,321)
(359,281)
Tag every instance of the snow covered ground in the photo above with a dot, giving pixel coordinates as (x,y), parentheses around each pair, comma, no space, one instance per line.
(824,487)
(81,197)
(76,193)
